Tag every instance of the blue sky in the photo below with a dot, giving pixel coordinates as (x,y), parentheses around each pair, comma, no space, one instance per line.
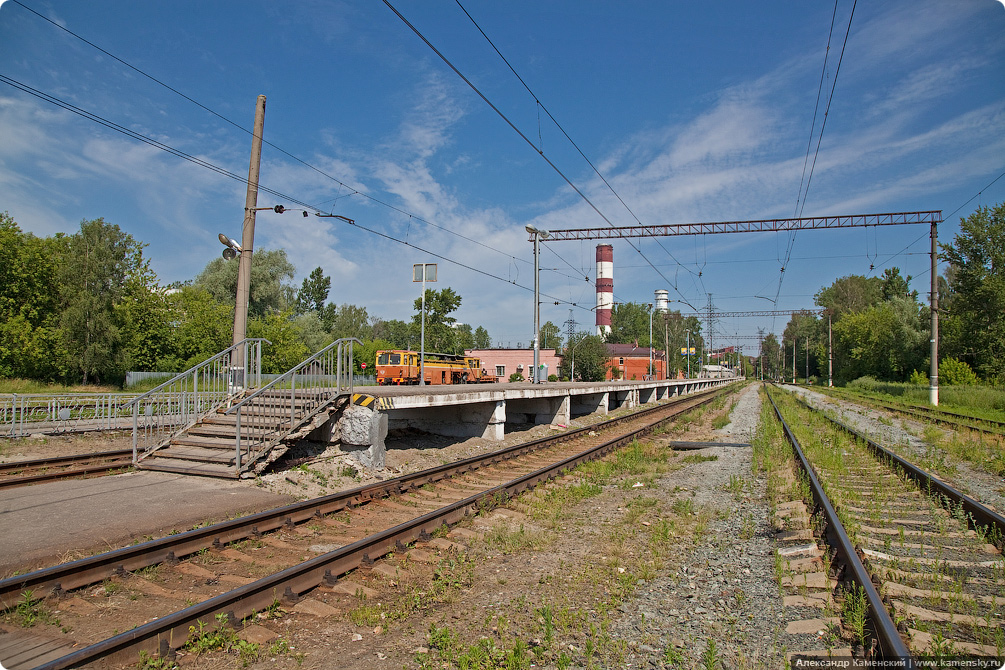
(690,111)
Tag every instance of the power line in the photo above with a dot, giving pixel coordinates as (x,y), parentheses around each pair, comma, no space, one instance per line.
(558,125)
(526,139)
(264,141)
(224,172)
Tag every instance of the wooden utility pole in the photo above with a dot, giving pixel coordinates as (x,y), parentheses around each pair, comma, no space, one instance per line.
(248,232)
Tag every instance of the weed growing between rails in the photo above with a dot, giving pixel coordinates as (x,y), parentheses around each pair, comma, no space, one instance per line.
(926,551)
(606,528)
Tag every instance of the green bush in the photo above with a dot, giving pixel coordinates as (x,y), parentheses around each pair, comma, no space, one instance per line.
(516,377)
(553,378)
(918,378)
(956,373)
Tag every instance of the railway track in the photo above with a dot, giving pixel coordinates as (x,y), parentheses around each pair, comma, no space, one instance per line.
(929,414)
(922,561)
(286,555)
(37,471)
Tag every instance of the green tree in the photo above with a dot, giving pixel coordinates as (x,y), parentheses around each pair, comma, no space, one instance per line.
(976,304)
(271,273)
(589,356)
(30,342)
(313,293)
(630,323)
(465,339)
(885,341)
(98,261)
(402,335)
(202,327)
(287,348)
(896,286)
(146,316)
(850,294)
(771,357)
(550,336)
(351,321)
(482,339)
(367,354)
(440,336)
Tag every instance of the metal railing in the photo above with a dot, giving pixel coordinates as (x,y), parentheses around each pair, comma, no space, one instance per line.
(23,414)
(283,404)
(178,403)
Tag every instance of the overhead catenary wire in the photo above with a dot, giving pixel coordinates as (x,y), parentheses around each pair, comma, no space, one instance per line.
(541,106)
(820,137)
(341,184)
(227,173)
(519,132)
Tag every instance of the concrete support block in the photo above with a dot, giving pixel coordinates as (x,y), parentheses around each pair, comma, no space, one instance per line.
(648,395)
(480,419)
(363,432)
(544,410)
(589,403)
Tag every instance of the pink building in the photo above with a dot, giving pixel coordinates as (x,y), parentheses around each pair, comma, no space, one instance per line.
(504,362)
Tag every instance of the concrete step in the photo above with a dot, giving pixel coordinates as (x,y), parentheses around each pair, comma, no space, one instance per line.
(198,454)
(188,467)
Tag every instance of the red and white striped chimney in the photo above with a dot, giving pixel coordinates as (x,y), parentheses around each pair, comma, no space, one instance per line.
(605,288)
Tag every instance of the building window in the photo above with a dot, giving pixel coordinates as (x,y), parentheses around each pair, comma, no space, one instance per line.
(621,361)
(500,371)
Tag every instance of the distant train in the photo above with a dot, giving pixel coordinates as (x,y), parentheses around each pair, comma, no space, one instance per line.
(396,367)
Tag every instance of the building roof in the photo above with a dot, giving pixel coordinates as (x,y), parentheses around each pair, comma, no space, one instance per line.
(630,350)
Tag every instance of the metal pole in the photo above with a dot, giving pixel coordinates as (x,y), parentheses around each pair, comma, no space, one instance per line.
(688,354)
(248,231)
(536,377)
(651,339)
(422,341)
(934,308)
(794,340)
(807,361)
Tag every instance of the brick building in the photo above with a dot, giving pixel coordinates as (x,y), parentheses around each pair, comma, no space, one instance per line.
(504,362)
(630,361)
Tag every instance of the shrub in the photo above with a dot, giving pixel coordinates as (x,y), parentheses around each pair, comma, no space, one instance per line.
(516,377)
(918,378)
(956,373)
(553,378)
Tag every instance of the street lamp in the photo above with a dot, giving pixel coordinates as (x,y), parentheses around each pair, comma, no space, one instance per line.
(423,272)
(538,236)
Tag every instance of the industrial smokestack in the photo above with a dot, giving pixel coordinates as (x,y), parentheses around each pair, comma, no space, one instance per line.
(605,288)
(662,301)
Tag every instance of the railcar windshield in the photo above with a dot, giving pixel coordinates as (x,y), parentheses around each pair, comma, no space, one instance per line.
(388,358)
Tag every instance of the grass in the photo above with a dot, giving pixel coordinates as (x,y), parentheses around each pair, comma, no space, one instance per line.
(986,401)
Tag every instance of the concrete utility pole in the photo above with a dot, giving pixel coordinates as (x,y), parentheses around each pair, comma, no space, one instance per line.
(248,232)
(934,308)
(830,353)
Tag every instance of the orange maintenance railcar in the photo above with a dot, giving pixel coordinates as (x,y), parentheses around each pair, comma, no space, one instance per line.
(398,366)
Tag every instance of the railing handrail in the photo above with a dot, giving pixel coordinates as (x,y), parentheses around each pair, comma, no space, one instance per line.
(182,375)
(289,374)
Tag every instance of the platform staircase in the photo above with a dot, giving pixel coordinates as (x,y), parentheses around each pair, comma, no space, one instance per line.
(205,422)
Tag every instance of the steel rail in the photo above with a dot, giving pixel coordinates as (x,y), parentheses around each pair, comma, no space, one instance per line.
(107,461)
(59,461)
(85,571)
(930,413)
(171,631)
(891,645)
(946,494)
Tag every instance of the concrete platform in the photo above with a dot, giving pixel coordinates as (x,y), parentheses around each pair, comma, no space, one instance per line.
(80,517)
(482,410)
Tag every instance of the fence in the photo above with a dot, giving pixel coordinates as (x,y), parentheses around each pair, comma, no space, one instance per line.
(179,402)
(23,414)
